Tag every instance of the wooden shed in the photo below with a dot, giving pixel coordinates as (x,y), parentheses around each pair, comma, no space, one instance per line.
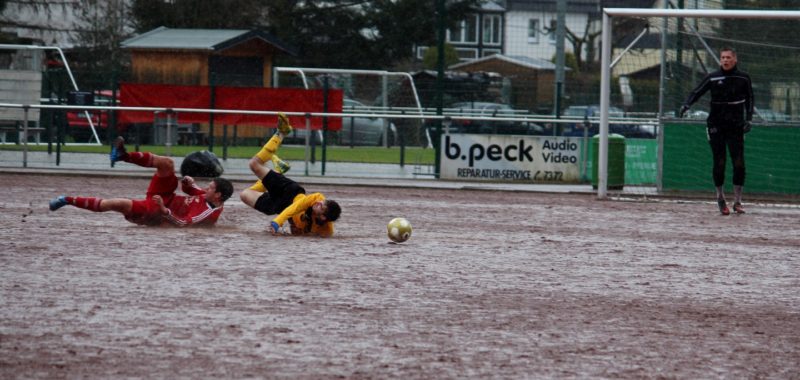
(204,57)
(532,80)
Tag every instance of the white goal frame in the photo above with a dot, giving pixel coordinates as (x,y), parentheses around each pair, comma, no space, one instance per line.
(605,77)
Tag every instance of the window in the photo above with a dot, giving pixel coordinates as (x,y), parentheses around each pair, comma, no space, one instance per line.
(533,31)
(492,29)
(471,29)
(467,54)
(552,32)
(421,51)
(488,52)
(465,31)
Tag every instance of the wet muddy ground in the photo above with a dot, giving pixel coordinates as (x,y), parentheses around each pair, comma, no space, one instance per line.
(490,285)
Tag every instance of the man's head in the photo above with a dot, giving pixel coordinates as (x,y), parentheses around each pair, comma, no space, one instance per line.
(727,58)
(327,211)
(221,188)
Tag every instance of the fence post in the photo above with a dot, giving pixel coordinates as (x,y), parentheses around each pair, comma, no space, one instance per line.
(168,139)
(25,137)
(211,115)
(224,142)
(59,137)
(325,92)
(138,136)
(308,135)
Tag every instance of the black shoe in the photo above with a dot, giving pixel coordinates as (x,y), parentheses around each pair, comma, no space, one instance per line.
(737,208)
(723,207)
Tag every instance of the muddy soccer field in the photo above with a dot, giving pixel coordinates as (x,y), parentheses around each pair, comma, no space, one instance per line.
(491,285)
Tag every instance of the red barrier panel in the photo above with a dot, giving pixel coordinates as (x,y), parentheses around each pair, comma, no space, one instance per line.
(231,98)
(163,96)
(274,99)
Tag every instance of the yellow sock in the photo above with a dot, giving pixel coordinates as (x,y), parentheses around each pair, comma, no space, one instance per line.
(266,152)
(258,186)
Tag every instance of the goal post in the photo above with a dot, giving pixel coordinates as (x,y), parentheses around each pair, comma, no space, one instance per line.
(606,59)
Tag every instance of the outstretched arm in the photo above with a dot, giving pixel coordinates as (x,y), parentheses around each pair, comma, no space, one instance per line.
(189,186)
(698,91)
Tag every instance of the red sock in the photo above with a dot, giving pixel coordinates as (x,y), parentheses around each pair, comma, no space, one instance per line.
(88,203)
(144,159)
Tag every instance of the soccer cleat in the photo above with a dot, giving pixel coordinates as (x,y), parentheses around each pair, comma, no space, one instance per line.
(723,207)
(283,124)
(279,165)
(58,202)
(737,208)
(118,152)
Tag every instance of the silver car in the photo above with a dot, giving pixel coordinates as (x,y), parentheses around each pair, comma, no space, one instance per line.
(358,130)
(363,130)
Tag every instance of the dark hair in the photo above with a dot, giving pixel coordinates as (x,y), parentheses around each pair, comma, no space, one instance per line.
(333,210)
(728,48)
(224,187)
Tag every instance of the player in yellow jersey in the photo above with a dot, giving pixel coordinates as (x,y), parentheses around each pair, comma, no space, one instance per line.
(276,194)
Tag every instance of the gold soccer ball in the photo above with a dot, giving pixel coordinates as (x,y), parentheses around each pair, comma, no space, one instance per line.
(399,230)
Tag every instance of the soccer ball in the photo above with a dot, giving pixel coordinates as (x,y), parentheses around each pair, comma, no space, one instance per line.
(399,230)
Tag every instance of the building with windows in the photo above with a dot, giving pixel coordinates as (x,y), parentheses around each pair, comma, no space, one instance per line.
(478,35)
(527,28)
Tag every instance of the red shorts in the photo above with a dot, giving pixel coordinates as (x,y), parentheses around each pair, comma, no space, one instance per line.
(146,211)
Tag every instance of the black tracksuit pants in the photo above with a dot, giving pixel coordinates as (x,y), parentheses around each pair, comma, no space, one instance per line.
(730,137)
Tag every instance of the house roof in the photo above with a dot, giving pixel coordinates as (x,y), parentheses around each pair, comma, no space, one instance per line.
(519,60)
(575,6)
(200,39)
(491,6)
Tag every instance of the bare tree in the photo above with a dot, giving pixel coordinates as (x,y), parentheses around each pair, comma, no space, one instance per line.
(102,26)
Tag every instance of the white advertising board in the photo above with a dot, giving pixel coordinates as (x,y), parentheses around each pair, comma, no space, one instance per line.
(533,159)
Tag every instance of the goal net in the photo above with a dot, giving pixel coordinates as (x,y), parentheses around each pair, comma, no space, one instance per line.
(367,92)
(659,56)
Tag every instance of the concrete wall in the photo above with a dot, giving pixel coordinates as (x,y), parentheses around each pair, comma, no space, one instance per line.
(19,87)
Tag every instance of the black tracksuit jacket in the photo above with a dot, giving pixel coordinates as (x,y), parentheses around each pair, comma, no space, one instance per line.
(731,97)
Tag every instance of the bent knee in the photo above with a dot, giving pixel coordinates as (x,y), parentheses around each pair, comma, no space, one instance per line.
(249,197)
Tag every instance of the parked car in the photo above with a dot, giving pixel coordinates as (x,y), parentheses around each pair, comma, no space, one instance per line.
(488,109)
(360,130)
(363,130)
(697,114)
(78,121)
(592,112)
(770,115)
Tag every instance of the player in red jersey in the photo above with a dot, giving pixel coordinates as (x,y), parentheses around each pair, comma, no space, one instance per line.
(202,207)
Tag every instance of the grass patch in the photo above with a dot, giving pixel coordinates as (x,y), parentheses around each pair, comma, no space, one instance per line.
(365,154)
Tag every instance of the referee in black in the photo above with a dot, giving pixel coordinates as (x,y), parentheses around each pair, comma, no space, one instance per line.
(728,120)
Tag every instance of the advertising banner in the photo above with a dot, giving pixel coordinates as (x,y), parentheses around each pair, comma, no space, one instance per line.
(534,159)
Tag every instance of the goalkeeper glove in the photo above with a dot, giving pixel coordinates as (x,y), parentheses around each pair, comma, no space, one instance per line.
(747,126)
(274,227)
(683,110)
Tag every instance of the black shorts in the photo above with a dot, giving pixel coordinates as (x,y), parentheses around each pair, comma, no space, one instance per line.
(280,193)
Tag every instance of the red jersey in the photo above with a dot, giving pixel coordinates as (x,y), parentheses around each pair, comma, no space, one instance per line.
(191,210)
(184,211)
